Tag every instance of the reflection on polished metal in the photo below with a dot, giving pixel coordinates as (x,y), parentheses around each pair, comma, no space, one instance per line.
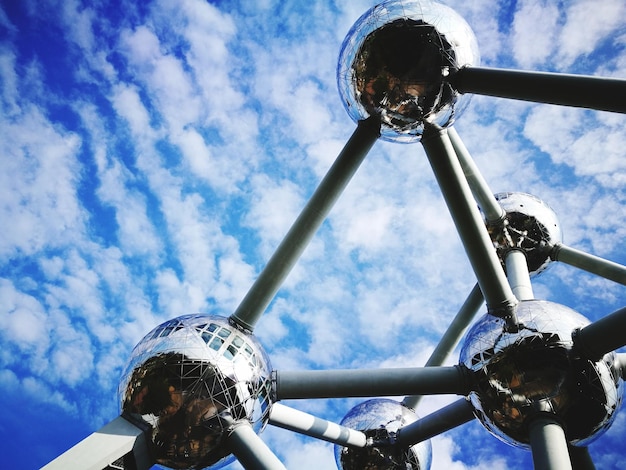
(393,64)
(380,419)
(190,378)
(530,225)
(537,369)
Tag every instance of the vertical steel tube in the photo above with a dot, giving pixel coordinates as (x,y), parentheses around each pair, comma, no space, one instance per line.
(288,252)
(590,263)
(250,449)
(449,417)
(548,444)
(294,420)
(581,459)
(483,195)
(517,274)
(451,337)
(491,278)
(605,94)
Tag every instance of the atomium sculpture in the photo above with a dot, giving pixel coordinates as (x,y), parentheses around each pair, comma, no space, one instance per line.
(199,388)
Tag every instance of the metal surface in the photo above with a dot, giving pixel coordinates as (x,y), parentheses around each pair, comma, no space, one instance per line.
(380,419)
(448,417)
(188,378)
(250,450)
(537,367)
(294,420)
(484,197)
(114,440)
(529,225)
(603,335)
(548,443)
(469,224)
(517,274)
(604,94)
(590,263)
(370,383)
(288,252)
(451,337)
(393,64)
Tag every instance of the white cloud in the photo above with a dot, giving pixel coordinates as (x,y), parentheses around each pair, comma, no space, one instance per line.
(39,176)
(588,22)
(534,31)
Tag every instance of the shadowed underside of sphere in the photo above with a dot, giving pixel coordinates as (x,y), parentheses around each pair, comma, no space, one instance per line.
(190,378)
(536,369)
(380,419)
(531,226)
(394,63)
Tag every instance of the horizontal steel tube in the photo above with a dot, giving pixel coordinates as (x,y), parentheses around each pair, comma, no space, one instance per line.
(604,94)
(602,336)
(371,383)
(451,337)
(298,421)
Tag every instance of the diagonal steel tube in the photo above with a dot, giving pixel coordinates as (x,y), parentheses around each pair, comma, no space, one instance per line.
(451,337)
(123,437)
(455,380)
(456,191)
(590,263)
(298,421)
(448,417)
(603,94)
(483,195)
(250,450)
(288,252)
(602,336)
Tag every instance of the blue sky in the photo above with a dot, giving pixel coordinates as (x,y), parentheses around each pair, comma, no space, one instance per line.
(153,154)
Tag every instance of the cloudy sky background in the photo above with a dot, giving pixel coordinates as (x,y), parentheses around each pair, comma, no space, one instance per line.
(153,154)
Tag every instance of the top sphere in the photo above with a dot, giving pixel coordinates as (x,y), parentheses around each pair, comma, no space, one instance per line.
(190,378)
(394,63)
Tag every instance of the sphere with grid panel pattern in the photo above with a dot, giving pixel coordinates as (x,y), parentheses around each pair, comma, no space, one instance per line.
(537,369)
(190,378)
(380,419)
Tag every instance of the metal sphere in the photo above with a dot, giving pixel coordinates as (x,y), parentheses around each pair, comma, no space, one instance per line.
(394,63)
(531,225)
(190,378)
(536,369)
(380,419)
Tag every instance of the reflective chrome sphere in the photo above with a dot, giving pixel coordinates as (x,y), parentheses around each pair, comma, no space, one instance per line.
(530,225)
(380,419)
(189,378)
(394,63)
(536,369)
